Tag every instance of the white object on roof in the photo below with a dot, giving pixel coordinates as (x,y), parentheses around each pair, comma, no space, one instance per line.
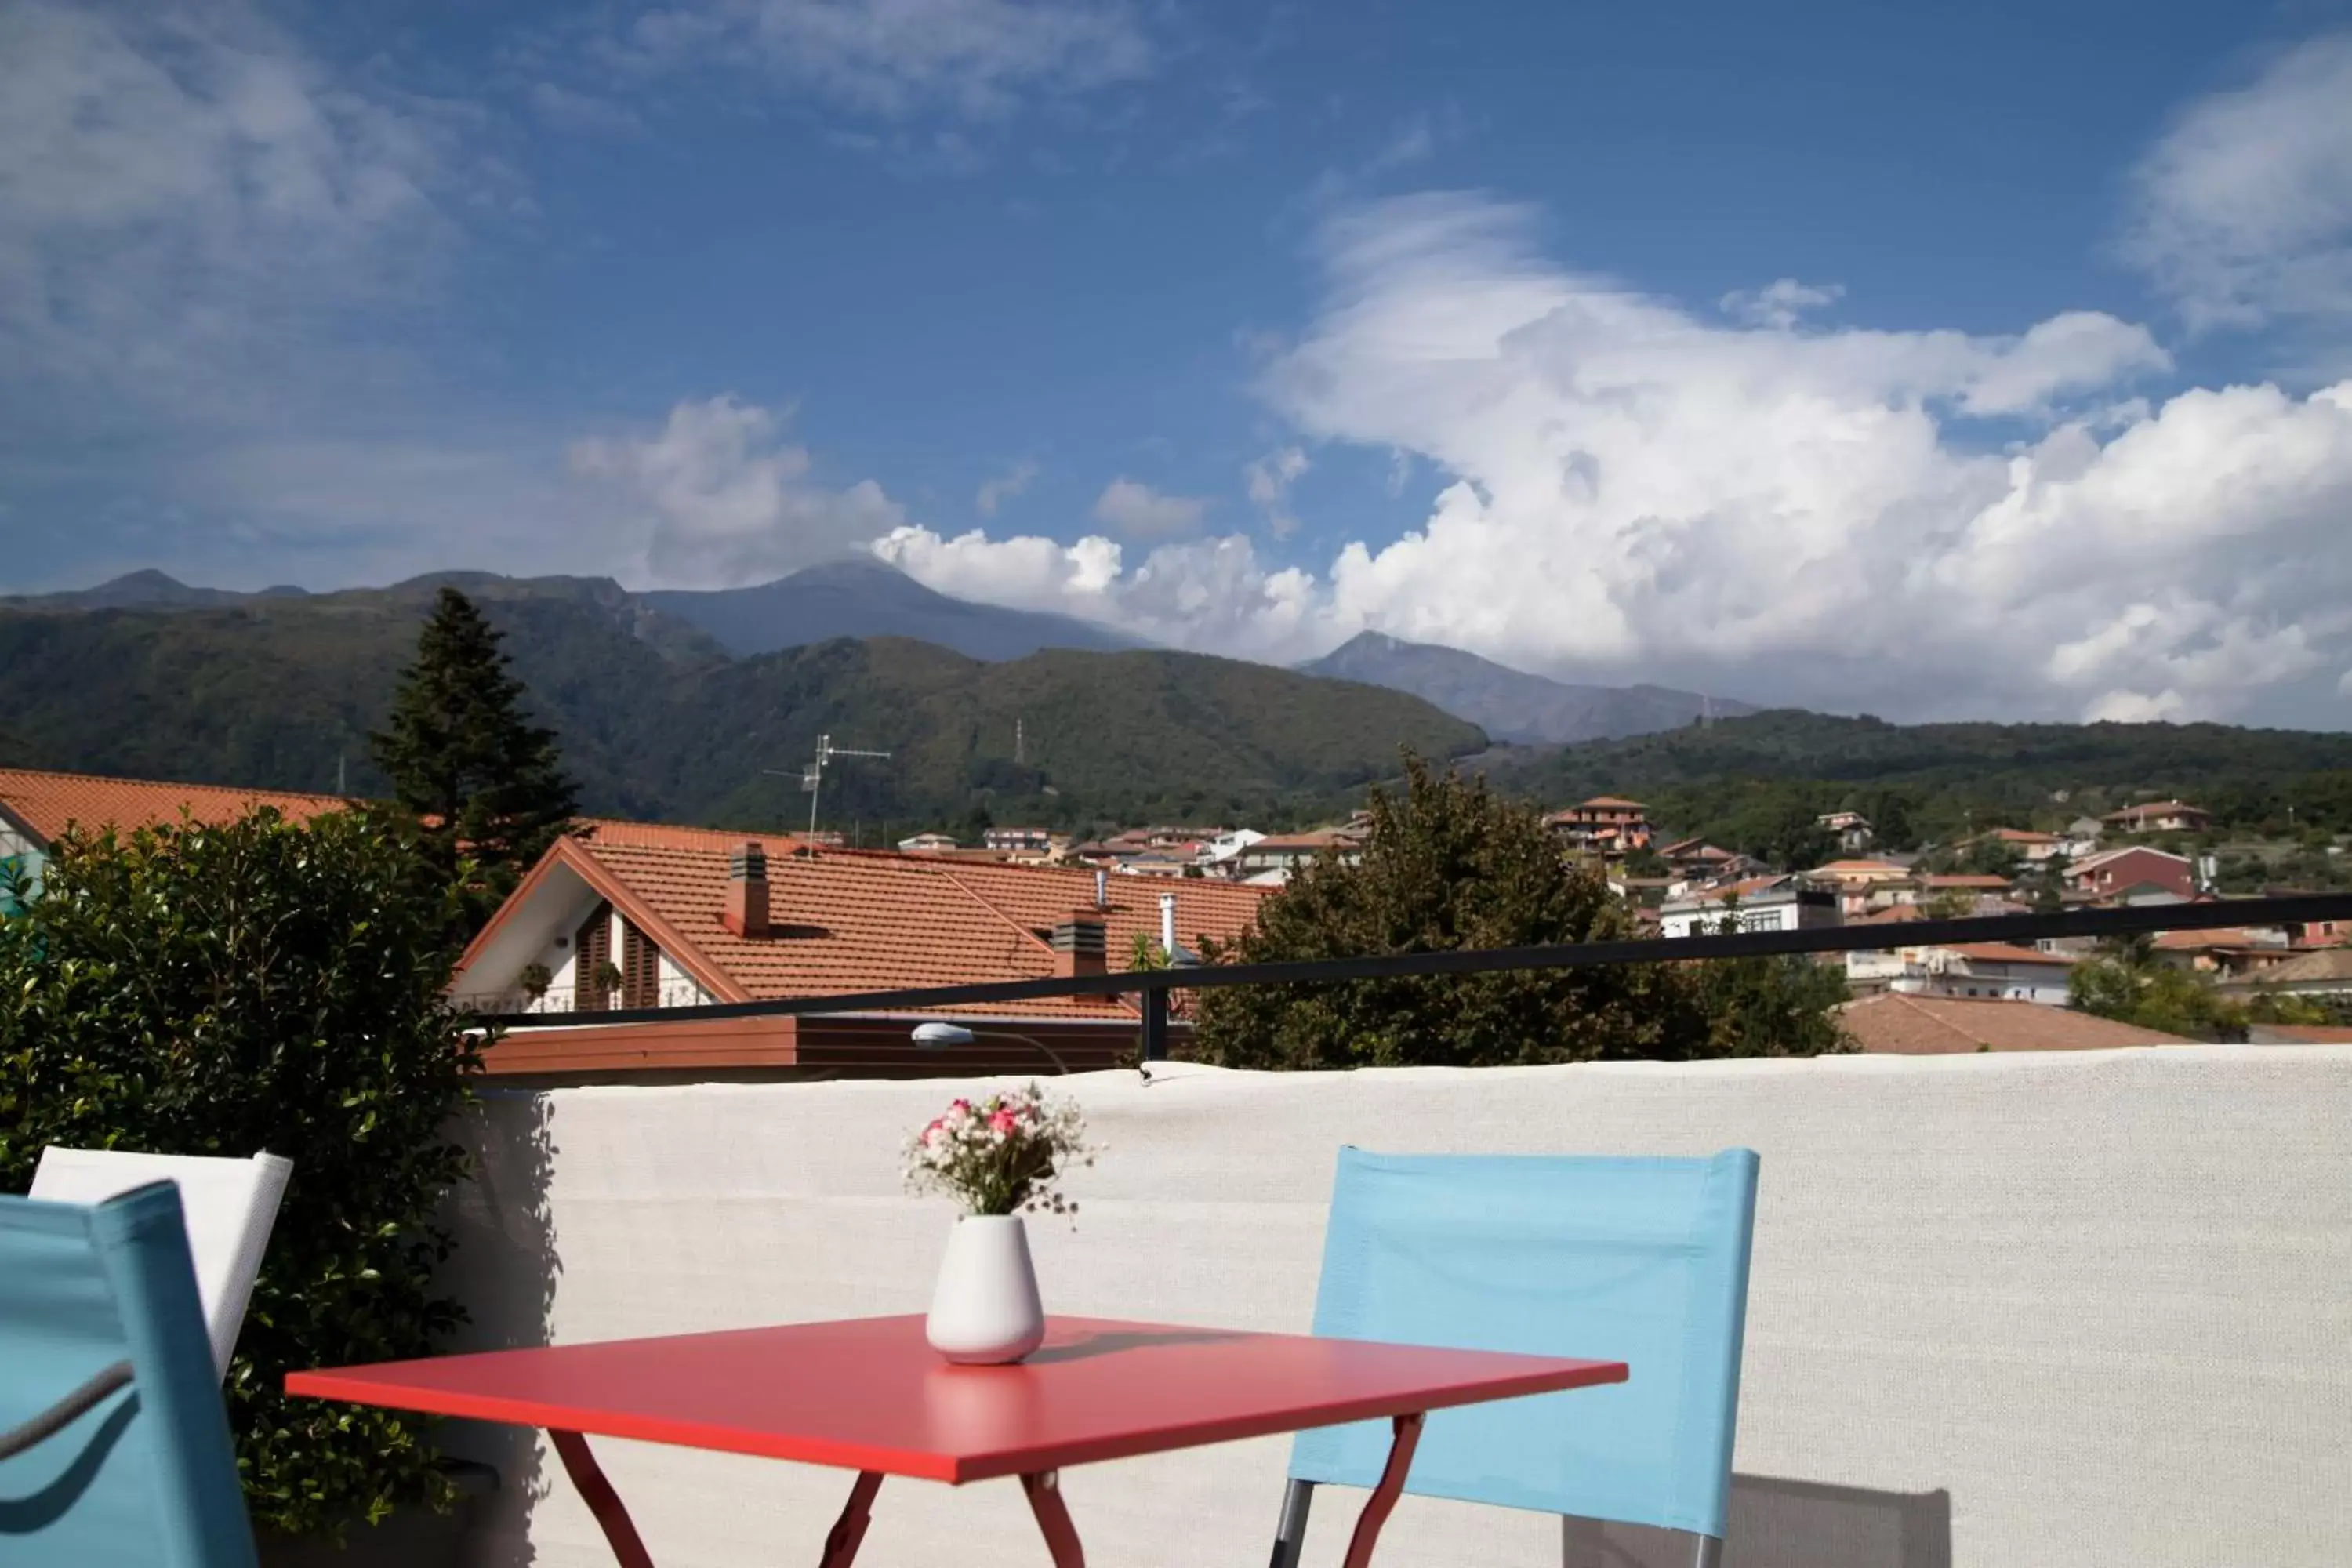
(229,1205)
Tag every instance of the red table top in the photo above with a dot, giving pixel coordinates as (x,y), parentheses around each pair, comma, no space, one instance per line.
(871,1394)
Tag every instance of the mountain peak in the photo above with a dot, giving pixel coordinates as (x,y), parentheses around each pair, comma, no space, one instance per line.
(1510,704)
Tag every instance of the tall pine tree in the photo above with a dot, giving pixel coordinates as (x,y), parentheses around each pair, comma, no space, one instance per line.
(486,786)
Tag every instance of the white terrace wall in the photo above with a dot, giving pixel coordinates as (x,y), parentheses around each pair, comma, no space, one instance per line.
(2007,1312)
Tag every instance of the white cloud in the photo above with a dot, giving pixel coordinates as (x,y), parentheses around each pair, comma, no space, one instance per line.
(1139,511)
(1781,303)
(2244,210)
(583,113)
(190,203)
(899,58)
(997,488)
(1636,492)
(729,501)
(1268,480)
(1209,594)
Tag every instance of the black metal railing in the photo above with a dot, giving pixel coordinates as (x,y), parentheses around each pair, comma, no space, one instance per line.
(1152,986)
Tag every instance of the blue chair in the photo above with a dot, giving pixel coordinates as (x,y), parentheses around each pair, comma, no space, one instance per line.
(114,1446)
(1638,1260)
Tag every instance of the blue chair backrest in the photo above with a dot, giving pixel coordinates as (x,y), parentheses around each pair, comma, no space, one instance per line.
(1638,1260)
(145,1476)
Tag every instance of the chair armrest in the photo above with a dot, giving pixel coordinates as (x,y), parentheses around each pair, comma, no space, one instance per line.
(65,1412)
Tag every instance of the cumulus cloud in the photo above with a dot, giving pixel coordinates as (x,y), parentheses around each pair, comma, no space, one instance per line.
(1268,480)
(1823,517)
(1139,511)
(1781,303)
(2244,210)
(997,488)
(899,58)
(727,500)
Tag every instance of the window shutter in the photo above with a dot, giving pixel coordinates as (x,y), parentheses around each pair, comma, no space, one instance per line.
(593,949)
(640,969)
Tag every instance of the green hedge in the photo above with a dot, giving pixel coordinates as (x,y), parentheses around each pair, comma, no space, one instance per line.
(220,990)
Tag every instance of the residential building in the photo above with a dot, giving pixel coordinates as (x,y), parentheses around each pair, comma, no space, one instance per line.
(2230,953)
(2324,972)
(2110,875)
(927,844)
(1759,903)
(36,808)
(1994,971)
(1221,853)
(1898,1024)
(2159,817)
(1971,884)
(636,917)
(1272,859)
(1022,840)
(2034,849)
(1852,830)
(1862,886)
(1606,823)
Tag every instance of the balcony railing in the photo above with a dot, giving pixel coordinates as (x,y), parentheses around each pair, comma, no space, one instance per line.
(1153,988)
(563,1001)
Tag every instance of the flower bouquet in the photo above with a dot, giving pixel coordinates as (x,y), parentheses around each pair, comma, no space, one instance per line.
(998,1157)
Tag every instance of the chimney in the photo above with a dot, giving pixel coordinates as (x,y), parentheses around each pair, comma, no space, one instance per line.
(1102,889)
(746,913)
(1168,925)
(1078,945)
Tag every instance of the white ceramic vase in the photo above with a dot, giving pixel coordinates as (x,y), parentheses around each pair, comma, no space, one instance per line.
(985,1311)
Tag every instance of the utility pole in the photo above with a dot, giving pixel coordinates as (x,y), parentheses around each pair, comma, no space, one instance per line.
(1020,744)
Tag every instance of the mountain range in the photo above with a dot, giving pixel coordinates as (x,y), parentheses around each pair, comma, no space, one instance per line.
(658,720)
(860,596)
(1510,704)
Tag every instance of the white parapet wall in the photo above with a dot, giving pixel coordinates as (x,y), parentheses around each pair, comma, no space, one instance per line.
(2007,1312)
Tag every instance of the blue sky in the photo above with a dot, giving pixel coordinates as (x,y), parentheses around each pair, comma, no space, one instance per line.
(1933,360)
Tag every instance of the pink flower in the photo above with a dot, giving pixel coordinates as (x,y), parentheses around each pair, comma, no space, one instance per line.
(959,1105)
(1002,1121)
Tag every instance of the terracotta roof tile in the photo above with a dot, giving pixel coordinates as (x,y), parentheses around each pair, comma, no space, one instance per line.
(1896,1024)
(49,803)
(850,920)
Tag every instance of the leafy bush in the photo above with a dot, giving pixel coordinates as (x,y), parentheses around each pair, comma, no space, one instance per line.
(220,990)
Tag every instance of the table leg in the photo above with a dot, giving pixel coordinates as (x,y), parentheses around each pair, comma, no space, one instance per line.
(1383,1500)
(602,1500)
(840,1545)
(1044,1489)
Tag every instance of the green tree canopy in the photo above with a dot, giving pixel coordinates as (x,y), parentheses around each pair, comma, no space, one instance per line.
(485,783)
(223,990)
(2127,982)
(1450,865)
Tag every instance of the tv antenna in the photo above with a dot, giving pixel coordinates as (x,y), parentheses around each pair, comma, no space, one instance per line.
(812,775)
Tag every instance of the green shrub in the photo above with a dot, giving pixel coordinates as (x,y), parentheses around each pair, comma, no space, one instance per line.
(220,990)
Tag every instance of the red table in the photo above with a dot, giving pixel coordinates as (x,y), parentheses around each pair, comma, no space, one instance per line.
(870,1395)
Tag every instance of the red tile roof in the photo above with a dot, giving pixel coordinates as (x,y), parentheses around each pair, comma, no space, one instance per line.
(1896,1024)
(846,921)
(2203,941)
(49,803)
(1842,868)
(1963,882)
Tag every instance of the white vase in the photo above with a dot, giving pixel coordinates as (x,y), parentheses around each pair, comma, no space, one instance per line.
(985,1311)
